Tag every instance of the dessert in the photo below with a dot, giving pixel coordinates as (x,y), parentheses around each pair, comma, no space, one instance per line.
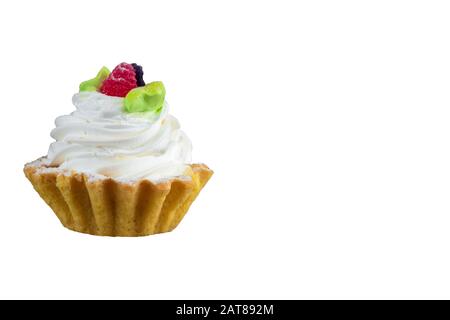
(120,165)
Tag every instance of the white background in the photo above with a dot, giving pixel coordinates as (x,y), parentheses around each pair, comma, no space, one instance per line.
(326,123)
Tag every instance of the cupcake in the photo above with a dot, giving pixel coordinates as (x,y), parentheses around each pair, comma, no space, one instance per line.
(120,165)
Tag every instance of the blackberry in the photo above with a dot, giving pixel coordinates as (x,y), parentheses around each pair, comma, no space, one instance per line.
(139,74)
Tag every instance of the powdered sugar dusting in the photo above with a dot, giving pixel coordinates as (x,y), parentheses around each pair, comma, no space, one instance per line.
(41,165)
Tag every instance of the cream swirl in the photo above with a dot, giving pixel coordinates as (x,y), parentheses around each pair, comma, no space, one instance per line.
(99,138)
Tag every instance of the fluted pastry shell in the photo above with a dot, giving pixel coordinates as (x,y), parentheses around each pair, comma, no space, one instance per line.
(107,207)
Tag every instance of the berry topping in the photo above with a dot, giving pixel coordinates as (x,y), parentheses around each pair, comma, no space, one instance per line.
(95,83)
(149,98)
(121,80)
(139,74)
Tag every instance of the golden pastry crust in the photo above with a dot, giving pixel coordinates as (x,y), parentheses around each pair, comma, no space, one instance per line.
(106,207)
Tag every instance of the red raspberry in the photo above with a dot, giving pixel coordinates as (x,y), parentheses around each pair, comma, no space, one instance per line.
(120,81)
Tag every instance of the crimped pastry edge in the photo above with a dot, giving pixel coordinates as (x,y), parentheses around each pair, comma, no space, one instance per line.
(107,207)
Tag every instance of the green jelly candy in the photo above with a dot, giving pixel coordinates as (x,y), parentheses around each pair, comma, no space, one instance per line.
(149,98)
(95,83)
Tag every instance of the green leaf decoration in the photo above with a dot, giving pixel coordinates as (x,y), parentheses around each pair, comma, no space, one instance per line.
(149,98)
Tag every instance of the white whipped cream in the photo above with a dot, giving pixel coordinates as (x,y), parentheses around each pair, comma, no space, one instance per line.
(100,138)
